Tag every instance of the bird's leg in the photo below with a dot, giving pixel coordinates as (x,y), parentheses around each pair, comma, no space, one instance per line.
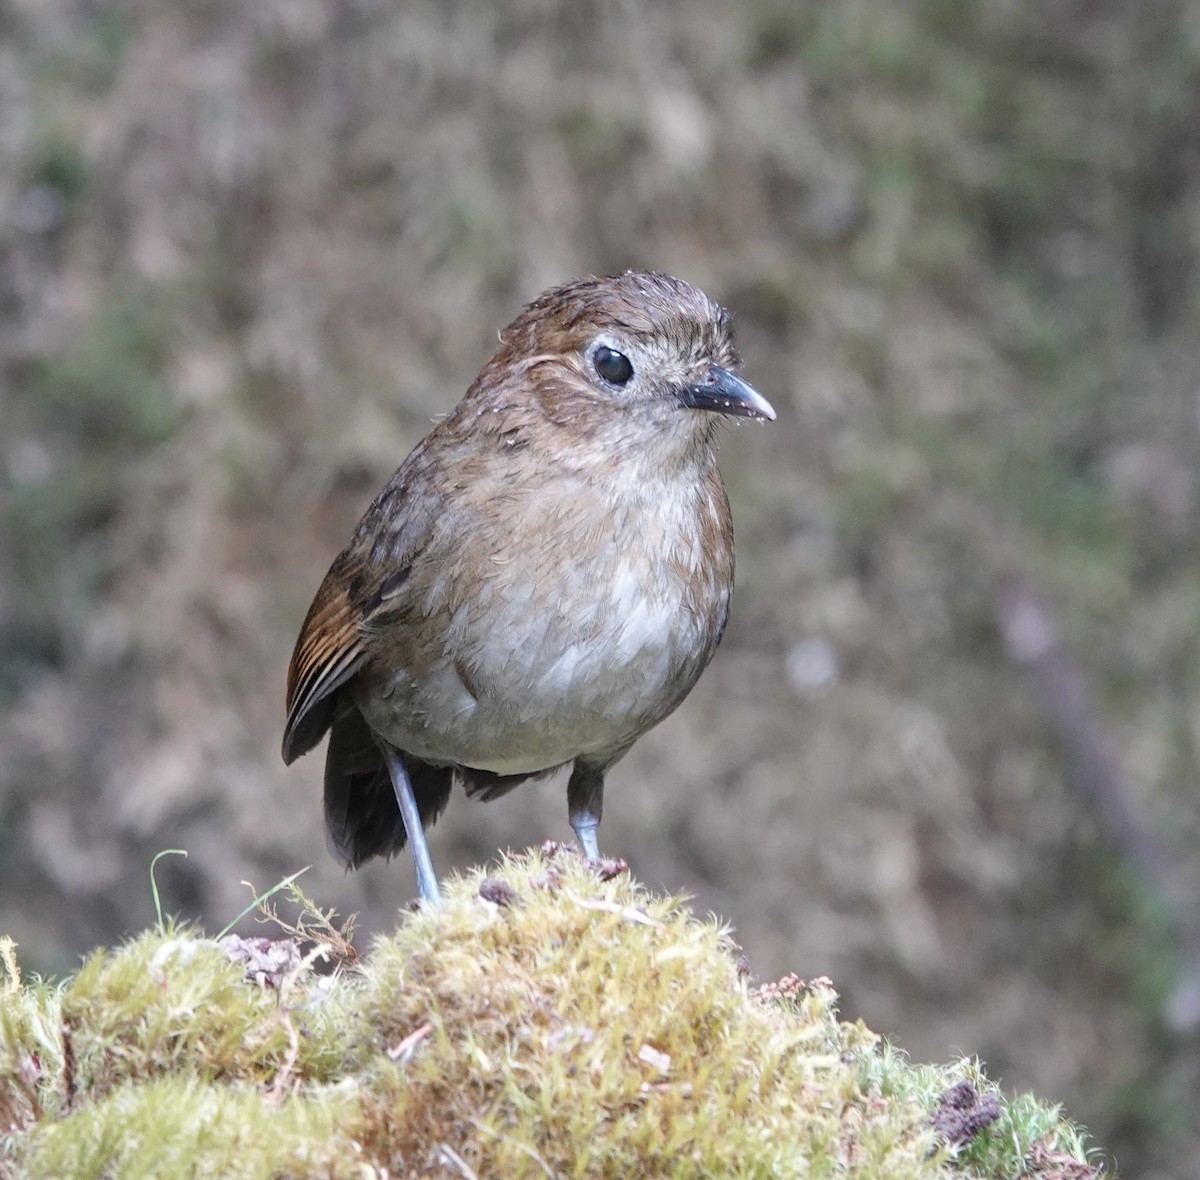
(427,886)
(585,804)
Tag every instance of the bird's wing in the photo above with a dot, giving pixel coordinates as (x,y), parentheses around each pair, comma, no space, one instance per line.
(367,588)
(331,648)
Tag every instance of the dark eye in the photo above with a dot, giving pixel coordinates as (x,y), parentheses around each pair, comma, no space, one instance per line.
(613,366)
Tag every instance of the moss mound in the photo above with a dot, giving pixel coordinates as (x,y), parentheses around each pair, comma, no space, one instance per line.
(542,1022)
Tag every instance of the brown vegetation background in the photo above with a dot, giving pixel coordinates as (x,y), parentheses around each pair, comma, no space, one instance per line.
(251,249)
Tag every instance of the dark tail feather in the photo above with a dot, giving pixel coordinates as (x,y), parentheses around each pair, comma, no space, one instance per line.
(362,819)
(487,785)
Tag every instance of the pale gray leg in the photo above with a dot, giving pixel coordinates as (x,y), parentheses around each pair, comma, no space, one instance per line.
(427,885)
(585,804)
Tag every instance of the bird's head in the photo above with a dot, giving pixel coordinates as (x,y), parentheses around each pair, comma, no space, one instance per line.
(633,355)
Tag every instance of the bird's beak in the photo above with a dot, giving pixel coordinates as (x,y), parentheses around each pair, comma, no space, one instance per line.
(723,393)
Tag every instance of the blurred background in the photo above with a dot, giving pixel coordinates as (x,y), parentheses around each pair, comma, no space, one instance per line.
(948,753)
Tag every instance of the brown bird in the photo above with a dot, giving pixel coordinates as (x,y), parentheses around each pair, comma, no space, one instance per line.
(541,581)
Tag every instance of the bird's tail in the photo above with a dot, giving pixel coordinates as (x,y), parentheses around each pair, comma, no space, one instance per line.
(362,819)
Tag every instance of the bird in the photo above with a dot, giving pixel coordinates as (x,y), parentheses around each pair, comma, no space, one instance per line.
(540,582)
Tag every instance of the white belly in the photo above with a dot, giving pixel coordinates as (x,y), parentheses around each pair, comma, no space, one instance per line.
(535,686)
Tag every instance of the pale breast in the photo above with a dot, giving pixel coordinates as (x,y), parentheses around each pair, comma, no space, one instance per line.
(575,644)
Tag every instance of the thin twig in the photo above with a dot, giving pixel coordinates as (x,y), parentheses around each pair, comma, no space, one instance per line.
(622,911)
(449,1155)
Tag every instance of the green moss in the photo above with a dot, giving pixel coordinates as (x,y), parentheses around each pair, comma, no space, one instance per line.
(178,1126)
(582,1028)
(174,1003)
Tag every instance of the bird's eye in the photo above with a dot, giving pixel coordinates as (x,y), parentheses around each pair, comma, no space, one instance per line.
(613,366)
